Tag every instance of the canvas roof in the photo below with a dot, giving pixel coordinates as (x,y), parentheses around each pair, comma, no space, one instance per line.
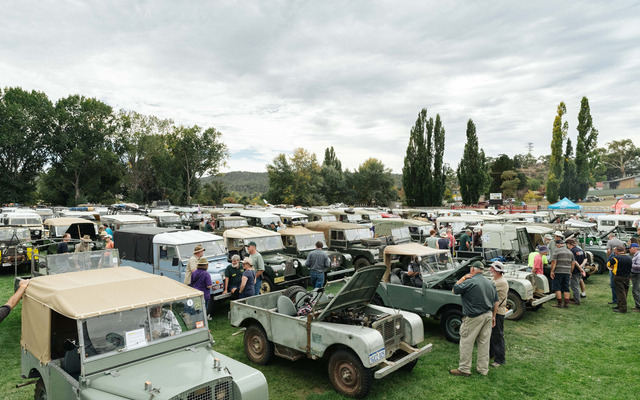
(412,249)
(127,218)
(325,225)
(298,230)
(248,233)
(84,294)
(65,221)
(185,237)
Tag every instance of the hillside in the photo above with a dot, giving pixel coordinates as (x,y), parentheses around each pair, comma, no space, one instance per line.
(251,183)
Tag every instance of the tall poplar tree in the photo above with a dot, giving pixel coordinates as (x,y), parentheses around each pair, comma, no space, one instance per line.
(569,186)
(472,172)
(555,162)
(587,158)
(423,176)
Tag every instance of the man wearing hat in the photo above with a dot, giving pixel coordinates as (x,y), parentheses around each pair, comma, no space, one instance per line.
(562,263)
(620,265)
(497,348)
(538,260)
(258,265)
(635,275)
(192,264)
(479,306)
(84,245)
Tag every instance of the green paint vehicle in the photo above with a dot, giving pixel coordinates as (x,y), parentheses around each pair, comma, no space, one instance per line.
(120,333)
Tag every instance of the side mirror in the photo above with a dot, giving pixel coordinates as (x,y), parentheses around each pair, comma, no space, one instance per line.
(175,261)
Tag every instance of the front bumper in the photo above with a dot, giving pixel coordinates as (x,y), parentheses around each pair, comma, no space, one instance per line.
(412,354)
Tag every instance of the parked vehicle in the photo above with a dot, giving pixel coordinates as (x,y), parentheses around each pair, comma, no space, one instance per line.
(360,341)
(97,334)
(318,215)
(591,198)
(629,223)
(166,251)
(29,220)
(301,241)
(76,227)
(280,269)
(289,217)
(418,230)
(11,253)
(117,221)
(231,222)
(260,219)
(166,219)
(352,239)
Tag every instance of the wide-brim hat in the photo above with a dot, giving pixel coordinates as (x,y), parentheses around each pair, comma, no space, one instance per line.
(86,238)
(443,234)
(497,266)
(198,249)
(104,234)
(558,233)
(203,261)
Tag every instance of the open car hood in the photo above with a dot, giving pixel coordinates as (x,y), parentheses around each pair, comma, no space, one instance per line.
(359,290)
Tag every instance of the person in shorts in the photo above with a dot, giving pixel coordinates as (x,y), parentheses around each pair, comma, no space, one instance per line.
(562,264)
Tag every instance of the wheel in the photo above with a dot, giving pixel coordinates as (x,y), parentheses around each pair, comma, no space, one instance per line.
(515,303)
(450,322)
(602,266)
(360,263)
(40,392)
(347,374)
(292,291)
(257,346)
(267,285)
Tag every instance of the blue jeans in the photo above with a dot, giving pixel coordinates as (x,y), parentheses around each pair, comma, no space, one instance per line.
(614,296)
(317,279)
(258,285)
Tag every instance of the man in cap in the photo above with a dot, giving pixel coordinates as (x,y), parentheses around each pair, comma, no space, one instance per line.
(562,263)
(192,264)
(479,306)
(578,272)
(466,241)
(612,243)
(497,348)
(635,274)
(258,264)
(620,265)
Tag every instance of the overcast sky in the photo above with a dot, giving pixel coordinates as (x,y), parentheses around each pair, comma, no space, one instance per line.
(276,75)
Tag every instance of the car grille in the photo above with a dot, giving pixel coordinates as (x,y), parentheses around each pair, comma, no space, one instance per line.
(288,268)
(387,328)
(221,389)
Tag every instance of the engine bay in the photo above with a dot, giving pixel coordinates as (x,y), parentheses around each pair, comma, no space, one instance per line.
(355,316)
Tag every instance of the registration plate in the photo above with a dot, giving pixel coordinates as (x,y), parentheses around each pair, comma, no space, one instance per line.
(377,356)
(278,279)
(6,264)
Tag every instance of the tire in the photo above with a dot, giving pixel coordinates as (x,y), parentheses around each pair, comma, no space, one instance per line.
(257,347)
(377,300)
(602,265)
(347,374)
(267,285)
(515,303)
(361,263)
(40,392)
(450,322)
(292,291)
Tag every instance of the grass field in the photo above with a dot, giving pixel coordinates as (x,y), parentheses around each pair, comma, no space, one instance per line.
(585,352)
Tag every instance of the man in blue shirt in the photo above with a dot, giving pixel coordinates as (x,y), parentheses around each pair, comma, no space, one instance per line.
(479,306)
(317,262)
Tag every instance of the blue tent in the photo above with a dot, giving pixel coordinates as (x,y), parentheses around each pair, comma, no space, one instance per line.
(565,204)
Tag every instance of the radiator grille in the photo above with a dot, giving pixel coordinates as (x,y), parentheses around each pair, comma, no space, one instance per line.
(392,331)
(221,389)
(288,268)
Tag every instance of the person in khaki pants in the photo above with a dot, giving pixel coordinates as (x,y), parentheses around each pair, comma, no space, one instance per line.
(479,307)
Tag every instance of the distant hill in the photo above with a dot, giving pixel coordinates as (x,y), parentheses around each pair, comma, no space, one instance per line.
(251,183)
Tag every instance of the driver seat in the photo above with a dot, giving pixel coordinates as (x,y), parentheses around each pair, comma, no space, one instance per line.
(285,306)
(71,360)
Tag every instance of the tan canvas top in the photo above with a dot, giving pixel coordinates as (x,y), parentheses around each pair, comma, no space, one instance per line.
(412,249)
(325,225)
(248,233)
(64,221)
(298,230)
(84,294)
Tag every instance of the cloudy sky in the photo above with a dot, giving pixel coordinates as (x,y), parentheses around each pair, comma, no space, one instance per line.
(276,75)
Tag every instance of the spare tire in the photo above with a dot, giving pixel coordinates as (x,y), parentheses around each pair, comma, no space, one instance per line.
(374,242)
(292,291)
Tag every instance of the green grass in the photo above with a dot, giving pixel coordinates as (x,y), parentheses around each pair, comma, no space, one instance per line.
(585,352)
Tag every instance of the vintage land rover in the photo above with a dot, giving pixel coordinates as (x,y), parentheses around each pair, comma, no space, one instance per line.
(361,341)
(120,333)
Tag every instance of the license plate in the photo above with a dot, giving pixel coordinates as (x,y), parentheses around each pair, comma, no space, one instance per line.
(278,279)
(377,356)
(6,264)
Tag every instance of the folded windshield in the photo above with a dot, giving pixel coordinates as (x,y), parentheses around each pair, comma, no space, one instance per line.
(81,261)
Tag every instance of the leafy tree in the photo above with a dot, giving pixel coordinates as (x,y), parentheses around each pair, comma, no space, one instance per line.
(423,175)
(622,157)
(556,163)
(510,182)
(587,158)
(280,177)
(212,193)
(374,183)
(197,152)
(26,131)
(84,158)
(296,180)
(534,184)
(498,166)
(472,171)
(569,187)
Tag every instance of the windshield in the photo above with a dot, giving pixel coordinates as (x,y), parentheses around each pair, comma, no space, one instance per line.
(308,242)
(268,243)
(70,262)
(357,234)
(372,217)
(235,223)
(350,218)
(25,221)
(138,327)
(401,233)
(330,218)
(211,249)
(8,235)
(265,221)
(169,219)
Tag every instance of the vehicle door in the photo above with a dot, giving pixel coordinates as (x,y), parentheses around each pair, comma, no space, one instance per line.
(167,255)
(524,243)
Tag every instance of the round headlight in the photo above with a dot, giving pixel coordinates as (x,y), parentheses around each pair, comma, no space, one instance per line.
(296,264)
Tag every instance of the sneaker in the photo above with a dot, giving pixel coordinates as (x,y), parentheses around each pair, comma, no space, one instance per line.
(495,364)
(457,372)
(583,294)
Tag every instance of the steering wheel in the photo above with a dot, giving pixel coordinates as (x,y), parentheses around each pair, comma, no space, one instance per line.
(115,339)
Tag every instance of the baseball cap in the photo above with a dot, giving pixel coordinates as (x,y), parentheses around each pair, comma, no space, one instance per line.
(252,243)
(478,265)
(632,245)
(543,249)
(498,266)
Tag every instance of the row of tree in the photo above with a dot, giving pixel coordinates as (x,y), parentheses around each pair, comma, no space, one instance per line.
(80,150)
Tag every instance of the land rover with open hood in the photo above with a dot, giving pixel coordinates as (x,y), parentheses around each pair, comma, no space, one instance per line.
(166,251)
(351,239)
(120,333)
(280,269)
(360,341)
(299,241)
